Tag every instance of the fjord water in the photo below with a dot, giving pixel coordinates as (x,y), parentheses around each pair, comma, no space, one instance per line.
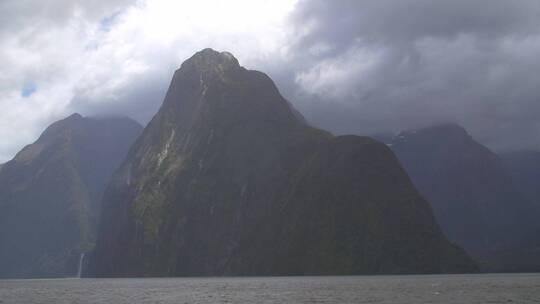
(485,288)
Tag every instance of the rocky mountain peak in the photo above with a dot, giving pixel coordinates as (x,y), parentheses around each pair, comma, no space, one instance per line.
(73,117)
(435,133)
(61,128)
(55,134)
(209,55)
(448,128)
(209,61)
(227,180)
(212,90)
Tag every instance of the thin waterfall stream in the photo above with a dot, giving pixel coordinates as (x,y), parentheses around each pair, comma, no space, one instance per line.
(79,270)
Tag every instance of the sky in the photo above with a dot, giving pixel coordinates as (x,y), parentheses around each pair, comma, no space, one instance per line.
(361,67)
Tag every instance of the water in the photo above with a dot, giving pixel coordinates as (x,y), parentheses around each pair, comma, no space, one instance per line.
(492,288)
(79,270)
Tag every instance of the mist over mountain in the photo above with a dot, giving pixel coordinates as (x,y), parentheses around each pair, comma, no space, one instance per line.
(477,202)
(227,180)
(50,194)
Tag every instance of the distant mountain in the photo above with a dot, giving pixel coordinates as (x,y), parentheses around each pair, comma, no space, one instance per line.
(524,167)
(50,194)
(227,180)
(473,196)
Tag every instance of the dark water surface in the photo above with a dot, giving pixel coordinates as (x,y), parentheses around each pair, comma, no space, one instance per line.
(489,288)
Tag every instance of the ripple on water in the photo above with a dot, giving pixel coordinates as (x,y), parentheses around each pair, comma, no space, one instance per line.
(492,288)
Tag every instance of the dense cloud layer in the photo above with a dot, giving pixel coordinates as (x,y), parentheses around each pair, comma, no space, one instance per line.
(396,64)
(362,67)
(114,57)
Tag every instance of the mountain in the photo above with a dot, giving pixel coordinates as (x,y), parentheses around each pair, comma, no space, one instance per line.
(227,180)
(524,167)
(473,196)
(50,194)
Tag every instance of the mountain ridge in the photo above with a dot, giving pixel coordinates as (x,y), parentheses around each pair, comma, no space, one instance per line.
(50,194)
(473,195)
(226,180)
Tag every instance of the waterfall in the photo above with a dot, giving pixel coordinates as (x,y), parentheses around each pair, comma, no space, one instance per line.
(79,271)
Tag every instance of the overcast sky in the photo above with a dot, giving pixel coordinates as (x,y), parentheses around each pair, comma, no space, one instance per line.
(350,66)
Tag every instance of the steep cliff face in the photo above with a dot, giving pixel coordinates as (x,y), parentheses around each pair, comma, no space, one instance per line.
(524,167)
(227,180)
(473,196)
(50,194)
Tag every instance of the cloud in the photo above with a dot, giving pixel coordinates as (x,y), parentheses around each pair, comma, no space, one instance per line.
(42,48)
(386,65)
(115,57)
(350,66)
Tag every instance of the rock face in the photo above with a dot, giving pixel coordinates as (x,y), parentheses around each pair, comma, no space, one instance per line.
(50,194)
(227,180)
(472,194)
(524,167)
